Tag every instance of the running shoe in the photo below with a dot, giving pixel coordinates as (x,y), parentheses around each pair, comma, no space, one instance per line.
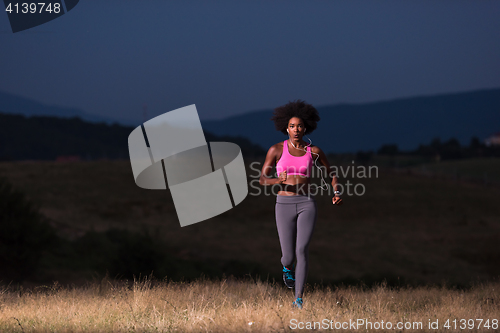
(297,303)
(288,277)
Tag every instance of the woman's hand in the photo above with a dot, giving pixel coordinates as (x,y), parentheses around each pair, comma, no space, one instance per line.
(337,200)
(282,177)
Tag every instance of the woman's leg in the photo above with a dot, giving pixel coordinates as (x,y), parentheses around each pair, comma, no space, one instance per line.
(286,222)
(305,226)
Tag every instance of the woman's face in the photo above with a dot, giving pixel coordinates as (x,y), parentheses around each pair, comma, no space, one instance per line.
(296,128)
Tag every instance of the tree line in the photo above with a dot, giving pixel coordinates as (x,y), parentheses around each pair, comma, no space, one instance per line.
(51,138)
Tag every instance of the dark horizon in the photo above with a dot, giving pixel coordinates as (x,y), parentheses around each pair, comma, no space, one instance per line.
(454,126)
(18,104)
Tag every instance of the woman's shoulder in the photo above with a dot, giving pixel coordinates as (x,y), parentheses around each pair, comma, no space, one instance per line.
(275,151)
(315,149)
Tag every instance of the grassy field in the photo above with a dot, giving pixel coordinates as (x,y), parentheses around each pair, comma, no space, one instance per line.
(404,229)
(246,306)
(485,170)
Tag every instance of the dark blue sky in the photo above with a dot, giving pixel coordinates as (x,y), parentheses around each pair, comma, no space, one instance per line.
(228,57)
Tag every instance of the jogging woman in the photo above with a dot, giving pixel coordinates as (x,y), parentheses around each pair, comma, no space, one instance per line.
(295,207)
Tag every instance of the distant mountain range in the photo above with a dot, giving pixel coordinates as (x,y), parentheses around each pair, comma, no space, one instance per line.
(14,104)
(406,122)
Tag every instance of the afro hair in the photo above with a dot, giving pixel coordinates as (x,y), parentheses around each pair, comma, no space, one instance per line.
(299,109)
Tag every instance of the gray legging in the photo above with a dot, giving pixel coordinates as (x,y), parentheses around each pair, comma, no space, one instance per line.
(295,219)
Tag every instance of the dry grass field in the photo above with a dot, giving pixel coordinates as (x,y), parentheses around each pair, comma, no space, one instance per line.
(433,241)
(483,170)
(246,306)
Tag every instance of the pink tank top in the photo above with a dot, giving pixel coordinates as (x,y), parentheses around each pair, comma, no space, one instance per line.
(294,165)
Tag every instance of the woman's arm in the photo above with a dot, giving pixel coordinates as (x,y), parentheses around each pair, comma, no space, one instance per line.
(324,161)
(265,174)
